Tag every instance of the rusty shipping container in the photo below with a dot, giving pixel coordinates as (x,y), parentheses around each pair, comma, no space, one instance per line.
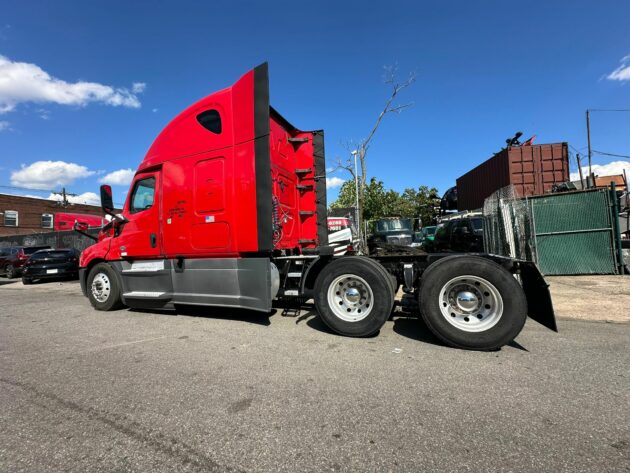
(533,170)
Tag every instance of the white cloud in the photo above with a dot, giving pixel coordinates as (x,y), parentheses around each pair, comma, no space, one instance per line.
(332,182)
(138,87)
(89,198)
(122,177)
(612,168)
(622,72)
(22,82)
(4,125)
(48,174)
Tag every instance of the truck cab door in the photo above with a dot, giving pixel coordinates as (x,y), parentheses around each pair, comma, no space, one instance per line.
(140,236)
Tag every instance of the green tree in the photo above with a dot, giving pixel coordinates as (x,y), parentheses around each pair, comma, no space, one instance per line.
(422,203)
(380,202)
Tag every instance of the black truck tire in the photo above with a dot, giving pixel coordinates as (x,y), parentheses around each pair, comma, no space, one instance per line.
(391,279)
(103,288)
(353,296)
(10,272)
(472,303)
(26,281)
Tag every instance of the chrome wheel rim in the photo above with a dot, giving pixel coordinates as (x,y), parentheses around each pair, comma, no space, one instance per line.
(101,287)
(350,298)
(471,303)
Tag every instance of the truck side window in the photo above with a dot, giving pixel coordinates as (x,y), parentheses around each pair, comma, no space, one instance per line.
(142,195)
(210,120)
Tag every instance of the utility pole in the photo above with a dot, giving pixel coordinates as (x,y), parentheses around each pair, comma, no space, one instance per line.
(577,157)
(64,202)
(356,190)
(588,137)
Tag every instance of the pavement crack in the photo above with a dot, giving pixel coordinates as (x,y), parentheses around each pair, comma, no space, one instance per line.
(124,344)
(165,444)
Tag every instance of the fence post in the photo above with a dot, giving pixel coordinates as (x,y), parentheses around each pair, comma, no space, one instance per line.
(615,225)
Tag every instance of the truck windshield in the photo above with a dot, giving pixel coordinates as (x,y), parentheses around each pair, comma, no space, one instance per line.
(395,225)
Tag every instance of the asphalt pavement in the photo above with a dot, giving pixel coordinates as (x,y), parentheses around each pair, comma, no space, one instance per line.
(217,390)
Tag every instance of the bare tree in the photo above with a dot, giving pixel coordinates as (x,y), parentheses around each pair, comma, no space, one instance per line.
(361,148)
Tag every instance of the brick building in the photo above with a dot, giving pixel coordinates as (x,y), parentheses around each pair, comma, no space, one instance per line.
(27,215)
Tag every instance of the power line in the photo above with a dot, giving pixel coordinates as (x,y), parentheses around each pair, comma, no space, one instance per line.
(609,109)
(30,189)
(612,154)
(577,150)
(50,191)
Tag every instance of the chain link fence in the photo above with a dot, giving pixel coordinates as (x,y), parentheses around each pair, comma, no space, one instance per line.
(564,233)
(509,226)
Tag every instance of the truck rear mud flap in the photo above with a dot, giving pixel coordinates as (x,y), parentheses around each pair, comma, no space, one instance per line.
(539,305)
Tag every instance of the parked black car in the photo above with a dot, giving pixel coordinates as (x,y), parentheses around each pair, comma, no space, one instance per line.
(13,258)
(462,235)
(51,264)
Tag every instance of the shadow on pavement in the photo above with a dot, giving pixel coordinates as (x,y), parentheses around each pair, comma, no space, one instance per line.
(66,279)
(415,328)
(4,282)
(518,346)
(239,315)
(307,313)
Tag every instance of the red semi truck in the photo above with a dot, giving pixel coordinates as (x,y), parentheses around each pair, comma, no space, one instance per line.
(228,208)
(66,221)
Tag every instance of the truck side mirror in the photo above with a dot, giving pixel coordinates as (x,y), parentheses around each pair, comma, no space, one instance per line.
(107,201)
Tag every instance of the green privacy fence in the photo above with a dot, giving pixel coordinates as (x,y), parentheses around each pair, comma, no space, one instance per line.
(574,233)
(564,233)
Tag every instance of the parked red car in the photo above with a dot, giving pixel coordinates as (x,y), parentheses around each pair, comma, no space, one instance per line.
(13,258)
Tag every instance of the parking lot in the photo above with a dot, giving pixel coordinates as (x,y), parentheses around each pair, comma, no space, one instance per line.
(218,390)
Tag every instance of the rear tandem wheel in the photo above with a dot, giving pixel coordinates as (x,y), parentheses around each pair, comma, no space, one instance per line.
(473,303)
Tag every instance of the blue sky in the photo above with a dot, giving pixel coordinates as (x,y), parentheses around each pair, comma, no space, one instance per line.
(484,70)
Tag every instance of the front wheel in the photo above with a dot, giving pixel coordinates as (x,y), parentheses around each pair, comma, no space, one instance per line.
(354,296)
(103,288)
(10,271)
(473,303)
(26,281)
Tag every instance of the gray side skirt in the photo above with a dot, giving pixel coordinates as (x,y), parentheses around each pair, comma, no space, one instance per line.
(224,282)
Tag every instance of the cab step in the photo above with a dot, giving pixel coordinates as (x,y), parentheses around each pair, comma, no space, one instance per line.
(144,295)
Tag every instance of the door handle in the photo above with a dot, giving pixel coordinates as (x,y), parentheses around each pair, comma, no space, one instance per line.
(153,239)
